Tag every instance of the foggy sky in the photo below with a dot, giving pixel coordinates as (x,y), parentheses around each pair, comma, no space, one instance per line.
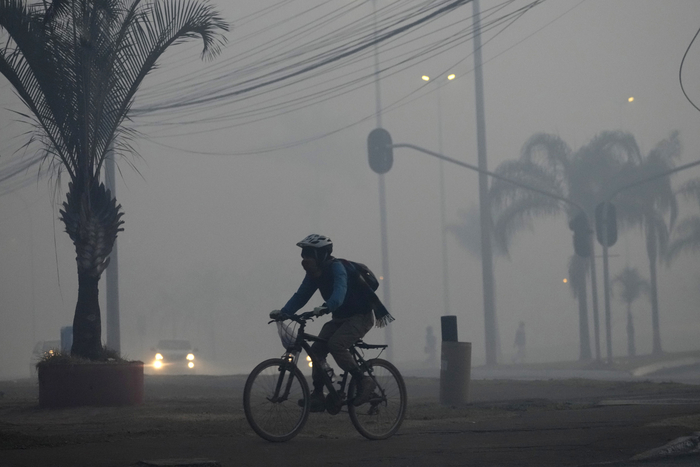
(209,242)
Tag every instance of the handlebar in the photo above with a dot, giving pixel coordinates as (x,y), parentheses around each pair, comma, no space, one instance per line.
(300,318)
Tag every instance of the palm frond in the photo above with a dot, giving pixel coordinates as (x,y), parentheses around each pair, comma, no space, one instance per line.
(690,190)
(631,284)
(547,150)
(687,238)
(519,215)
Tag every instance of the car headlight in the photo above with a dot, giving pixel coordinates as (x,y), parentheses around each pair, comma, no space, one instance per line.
(190,357)
(159,356)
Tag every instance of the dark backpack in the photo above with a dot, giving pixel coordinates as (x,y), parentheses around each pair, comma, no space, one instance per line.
(364,273)
(365,276)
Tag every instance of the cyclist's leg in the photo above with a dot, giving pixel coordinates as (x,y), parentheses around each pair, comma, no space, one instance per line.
(348,332)
(320,350)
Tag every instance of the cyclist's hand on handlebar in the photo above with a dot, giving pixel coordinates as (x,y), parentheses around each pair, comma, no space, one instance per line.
(276,314)
(320,310)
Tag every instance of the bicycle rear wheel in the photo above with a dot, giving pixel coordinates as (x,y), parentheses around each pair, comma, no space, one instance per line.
(270,400)
(382,416)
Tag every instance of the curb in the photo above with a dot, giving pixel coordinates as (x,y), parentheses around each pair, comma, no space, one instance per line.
(679,446)
(654,367)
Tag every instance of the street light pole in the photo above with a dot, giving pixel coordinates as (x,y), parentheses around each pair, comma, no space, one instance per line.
(443,228)
(489,295)
(443,208)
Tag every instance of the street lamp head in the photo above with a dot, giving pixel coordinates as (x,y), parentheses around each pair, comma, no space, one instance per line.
(451,76)
(630,99)
(425,78)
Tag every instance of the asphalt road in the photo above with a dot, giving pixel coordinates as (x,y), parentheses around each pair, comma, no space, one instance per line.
(571,422)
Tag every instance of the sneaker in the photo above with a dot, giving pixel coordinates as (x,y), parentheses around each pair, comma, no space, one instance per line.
(317,402)
(364,393)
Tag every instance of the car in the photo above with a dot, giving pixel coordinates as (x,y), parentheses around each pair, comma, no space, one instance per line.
(174,356)
(42,349)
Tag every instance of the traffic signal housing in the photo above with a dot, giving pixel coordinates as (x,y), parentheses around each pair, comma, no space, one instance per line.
(582,235)
(380,151)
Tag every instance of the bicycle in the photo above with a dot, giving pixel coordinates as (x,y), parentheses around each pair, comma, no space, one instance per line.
(276,394)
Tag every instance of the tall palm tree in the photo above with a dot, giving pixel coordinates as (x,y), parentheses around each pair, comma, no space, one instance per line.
(586,176)
(632,286)
(648,205)
(77,65)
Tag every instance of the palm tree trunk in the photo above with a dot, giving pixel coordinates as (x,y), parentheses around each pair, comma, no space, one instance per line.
(87,324)
(631,348)
(584,333)
(594,297)
(654,297)
(92,220)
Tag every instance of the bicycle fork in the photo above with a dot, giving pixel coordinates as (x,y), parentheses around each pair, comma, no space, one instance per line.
(285,368)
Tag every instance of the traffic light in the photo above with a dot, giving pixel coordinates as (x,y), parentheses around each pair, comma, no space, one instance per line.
(606,223)
(379,150)
(582,235)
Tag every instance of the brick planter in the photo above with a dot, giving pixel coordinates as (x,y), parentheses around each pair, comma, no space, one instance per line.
(91,384)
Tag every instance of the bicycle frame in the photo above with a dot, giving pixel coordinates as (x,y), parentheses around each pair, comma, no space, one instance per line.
(291,356)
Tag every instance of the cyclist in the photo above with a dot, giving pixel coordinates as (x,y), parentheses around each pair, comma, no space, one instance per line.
(351,312)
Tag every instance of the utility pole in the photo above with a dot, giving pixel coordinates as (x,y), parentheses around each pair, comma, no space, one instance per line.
(490,323)
(382,195)
(112,271)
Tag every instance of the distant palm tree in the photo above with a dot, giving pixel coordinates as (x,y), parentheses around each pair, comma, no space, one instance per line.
(648,205)
(467,232)
(76,65)
(586,177)
(686,235)
(632,286)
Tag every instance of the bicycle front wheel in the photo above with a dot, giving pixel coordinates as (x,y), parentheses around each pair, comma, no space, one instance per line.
(382,416)
(271,400)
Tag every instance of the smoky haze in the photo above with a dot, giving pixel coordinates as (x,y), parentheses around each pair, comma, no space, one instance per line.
(212,217)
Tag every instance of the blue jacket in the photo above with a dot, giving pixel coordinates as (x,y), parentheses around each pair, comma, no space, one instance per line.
(343,297)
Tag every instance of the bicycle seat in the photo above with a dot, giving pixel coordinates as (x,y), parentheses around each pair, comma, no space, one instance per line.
(360,344)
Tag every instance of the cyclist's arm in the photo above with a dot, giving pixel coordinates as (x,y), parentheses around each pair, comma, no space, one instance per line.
(301,297)
(340,286)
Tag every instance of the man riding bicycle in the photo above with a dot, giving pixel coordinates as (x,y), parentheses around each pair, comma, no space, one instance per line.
(351,309)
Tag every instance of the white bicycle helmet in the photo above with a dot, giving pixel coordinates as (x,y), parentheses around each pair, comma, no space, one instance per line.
(317,246)
(315,241)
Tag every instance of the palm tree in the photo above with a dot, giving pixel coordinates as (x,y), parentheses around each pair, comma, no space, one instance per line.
(632,286)
(647,206)
(586,177)
(687,232)
(76,65)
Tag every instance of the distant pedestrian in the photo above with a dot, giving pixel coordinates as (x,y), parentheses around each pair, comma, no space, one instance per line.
(430,346)
(519,344)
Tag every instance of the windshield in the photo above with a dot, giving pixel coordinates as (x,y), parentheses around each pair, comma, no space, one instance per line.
(174,345)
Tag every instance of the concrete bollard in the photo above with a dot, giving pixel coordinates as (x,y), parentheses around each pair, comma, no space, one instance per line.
(455,365)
